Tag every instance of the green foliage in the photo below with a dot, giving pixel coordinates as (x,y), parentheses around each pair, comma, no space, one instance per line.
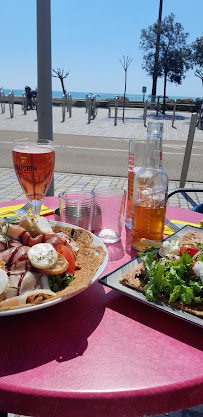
(174,53)
(197,57)
(197,52)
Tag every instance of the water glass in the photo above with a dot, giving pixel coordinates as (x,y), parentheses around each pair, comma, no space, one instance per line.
(76,208)
(110,204)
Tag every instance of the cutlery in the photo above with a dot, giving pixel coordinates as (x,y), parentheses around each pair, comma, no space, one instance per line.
(16,216)
(172,226)
(23,209)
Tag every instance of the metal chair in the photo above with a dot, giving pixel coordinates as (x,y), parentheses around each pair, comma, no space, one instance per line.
(195,206)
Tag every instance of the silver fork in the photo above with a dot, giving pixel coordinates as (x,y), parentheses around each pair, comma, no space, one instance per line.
(16,216)
(21,210)
(172,226)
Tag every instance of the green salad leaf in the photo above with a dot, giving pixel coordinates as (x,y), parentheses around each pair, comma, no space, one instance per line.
(200,246)
(171,278)
(59,282)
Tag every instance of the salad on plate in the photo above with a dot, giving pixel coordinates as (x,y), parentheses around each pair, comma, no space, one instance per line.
(173,275)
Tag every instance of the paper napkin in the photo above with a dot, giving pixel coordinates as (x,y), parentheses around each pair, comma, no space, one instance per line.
(8,210)
(168,231)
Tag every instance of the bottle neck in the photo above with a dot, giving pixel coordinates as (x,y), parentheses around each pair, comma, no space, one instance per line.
(153,156)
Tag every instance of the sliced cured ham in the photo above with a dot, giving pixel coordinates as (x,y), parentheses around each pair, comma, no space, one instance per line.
(3,243)
(55,239)
(12,255)
(29,282)
(68,241)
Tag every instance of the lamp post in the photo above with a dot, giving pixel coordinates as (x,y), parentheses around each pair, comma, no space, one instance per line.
(44,78)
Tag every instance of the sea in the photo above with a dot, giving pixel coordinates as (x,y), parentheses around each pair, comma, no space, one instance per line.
(102,96)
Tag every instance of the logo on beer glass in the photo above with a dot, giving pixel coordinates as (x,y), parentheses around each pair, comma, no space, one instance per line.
(25,168)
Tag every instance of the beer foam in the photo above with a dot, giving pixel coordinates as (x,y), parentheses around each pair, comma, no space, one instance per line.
(33,149)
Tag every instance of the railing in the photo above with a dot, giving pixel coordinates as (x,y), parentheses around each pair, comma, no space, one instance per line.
(116,111)
(66,105)
(92,108)
(2,101)
(174,112)
(116,104)
(24,102)
(69,105)
(86,102)
(89,109)
(11,103)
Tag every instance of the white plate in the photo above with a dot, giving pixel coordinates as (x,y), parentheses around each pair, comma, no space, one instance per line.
(99,272)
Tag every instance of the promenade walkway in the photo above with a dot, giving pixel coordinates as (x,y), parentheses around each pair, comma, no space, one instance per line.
(101,126)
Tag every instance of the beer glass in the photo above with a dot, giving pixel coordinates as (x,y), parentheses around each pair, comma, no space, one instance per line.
(33,161)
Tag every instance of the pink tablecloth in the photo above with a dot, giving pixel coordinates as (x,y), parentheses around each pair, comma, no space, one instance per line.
(101,353)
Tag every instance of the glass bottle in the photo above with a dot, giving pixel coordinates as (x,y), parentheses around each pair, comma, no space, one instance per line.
(135,163)
(150,192)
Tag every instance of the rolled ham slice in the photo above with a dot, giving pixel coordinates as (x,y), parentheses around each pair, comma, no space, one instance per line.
(31,297)
(56,239)
(14,254)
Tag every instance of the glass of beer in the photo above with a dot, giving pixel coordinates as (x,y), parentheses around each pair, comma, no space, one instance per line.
(33,161)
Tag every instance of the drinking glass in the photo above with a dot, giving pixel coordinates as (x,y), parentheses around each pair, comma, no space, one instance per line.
(110,207)
(76,207)
(33,161)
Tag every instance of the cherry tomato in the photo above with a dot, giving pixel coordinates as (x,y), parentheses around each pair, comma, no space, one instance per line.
(192,273)
(190,249)
(68,254)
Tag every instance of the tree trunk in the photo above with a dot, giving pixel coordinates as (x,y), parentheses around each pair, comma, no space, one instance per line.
(156,63)
(124,94)
(63,88)
(164,100)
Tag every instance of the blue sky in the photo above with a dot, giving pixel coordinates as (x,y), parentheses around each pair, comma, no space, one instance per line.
(88,38)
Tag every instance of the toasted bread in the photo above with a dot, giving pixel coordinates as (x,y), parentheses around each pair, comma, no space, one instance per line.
(59,267)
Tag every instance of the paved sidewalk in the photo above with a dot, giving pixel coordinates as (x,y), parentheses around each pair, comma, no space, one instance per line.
(101,126)
(11,190)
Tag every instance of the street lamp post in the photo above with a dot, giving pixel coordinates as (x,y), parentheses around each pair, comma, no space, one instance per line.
(44,82)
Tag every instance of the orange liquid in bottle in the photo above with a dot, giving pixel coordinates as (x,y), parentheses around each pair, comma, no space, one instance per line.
(148,223)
